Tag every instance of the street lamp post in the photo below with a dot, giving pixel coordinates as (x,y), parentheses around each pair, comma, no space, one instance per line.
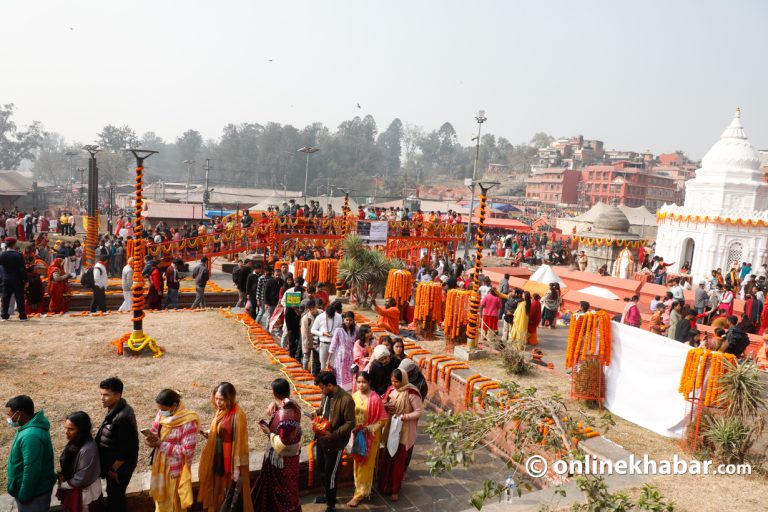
(92,212)
(474,302)
(307,150)
(189,173)
(480,118)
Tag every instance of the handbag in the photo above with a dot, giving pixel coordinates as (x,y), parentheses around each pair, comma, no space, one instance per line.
(233,499)
(360,446)
(393,439)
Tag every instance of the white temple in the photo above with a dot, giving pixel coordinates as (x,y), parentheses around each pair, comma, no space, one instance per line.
(725,216)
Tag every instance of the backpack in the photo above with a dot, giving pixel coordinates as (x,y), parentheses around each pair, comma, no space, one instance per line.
(87,280)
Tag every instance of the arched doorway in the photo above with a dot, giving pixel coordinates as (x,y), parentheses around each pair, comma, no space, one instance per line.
(687,253)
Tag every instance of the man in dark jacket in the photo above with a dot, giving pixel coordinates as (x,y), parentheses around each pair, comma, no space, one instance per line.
(737,339)
(30,463)
(14,279)
(272,294)
(240,278)
(338,407)
(251,288)
(118,441)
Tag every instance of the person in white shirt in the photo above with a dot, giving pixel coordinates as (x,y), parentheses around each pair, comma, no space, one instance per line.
(323,327)
(677,291)
(486,287)
(100,282)
(127,282)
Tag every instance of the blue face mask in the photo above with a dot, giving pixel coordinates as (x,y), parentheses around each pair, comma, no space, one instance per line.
(165,414)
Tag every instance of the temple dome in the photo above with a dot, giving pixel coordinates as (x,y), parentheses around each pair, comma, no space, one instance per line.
(732,153)
(612,219)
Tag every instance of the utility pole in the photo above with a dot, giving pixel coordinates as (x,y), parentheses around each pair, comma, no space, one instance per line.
(189,173)
(307,150)
(480,118)
(206,193)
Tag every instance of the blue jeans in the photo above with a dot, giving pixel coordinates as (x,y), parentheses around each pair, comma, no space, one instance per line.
(172,298)
(37,504)
(268,311)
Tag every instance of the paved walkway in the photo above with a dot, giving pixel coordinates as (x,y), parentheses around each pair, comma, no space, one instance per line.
(422,492)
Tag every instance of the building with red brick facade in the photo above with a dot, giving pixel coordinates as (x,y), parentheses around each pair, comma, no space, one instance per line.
(553,186)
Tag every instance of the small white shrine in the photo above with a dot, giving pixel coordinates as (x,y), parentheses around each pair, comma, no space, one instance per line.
(725,216)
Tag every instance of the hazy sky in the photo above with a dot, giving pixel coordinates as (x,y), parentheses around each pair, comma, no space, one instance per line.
(659,75)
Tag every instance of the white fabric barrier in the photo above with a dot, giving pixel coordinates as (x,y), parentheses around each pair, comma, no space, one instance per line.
(642,381)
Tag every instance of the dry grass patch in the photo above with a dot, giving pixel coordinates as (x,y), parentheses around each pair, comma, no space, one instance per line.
(60,361)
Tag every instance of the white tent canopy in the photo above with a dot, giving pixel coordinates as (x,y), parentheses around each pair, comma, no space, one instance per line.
(546,275)
(600,292)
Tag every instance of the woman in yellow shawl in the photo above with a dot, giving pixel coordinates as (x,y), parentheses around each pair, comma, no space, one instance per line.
(370,417)
(518,334)
(173,440)
(224,460)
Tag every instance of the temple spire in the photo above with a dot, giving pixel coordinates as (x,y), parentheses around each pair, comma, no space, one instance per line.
(735,130)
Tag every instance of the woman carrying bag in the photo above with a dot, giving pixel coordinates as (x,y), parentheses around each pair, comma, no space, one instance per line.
(223,471)
(370,417)
(403,403)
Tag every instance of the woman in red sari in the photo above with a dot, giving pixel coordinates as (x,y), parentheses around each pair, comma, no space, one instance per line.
(155,296)
(58,288)
(277,486)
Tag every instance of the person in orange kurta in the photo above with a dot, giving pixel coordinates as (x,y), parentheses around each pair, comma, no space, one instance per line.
(534,319)
(389,316)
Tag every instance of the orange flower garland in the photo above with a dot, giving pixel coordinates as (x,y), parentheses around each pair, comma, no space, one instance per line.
(589,335)
(399,286)
(311,464)
(429,303)
(456,312)
(701,375)
(448,369)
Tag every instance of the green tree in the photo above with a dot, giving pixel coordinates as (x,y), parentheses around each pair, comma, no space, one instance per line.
(541,140)
(52,164)
(17,145)
(115,138)
(390,146)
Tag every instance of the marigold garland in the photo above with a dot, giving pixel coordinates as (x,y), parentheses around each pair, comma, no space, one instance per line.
(429,303)
(399,286)
(589,335)
(456,312)
(701,375)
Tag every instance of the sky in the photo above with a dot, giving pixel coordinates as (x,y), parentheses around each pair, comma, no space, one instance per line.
(655,75)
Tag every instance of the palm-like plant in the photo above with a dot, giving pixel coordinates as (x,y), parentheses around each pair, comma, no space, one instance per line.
(364,271)
(744,392)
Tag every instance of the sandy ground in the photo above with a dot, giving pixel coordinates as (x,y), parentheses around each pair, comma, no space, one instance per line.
(60,361)
(690,493)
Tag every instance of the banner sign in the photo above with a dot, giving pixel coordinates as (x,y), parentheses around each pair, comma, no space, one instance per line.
(373,232)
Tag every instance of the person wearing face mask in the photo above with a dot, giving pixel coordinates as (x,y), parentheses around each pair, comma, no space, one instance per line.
(173,439)
(30,463)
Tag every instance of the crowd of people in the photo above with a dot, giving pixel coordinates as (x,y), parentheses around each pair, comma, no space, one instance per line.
(384,407)
(713,305)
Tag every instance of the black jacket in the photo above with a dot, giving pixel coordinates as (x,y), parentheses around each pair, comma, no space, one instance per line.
(272,291)
(252,283)
(381,375)
(738,341)
(118,439)
(14,268)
